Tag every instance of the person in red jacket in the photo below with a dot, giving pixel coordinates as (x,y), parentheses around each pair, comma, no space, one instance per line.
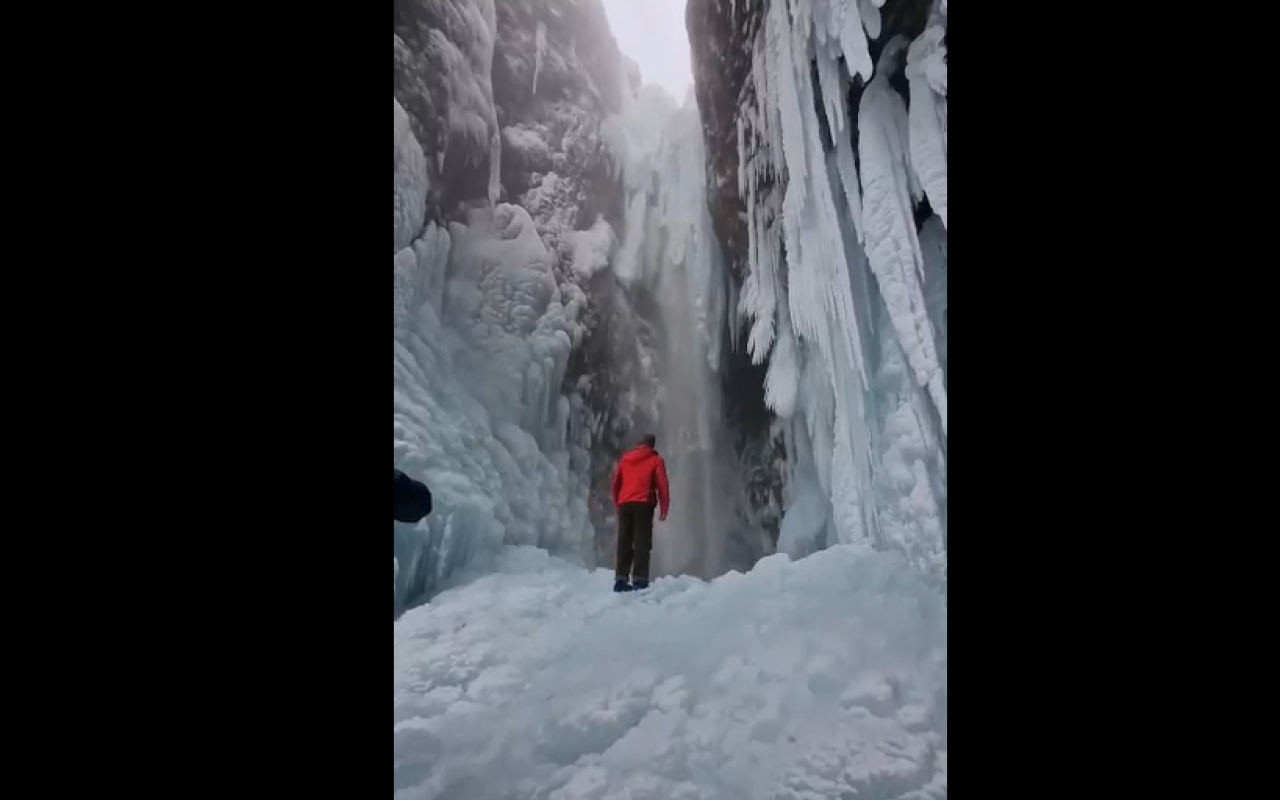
(639,484)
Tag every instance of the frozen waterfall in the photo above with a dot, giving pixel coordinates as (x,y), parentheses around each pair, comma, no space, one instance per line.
(670,250)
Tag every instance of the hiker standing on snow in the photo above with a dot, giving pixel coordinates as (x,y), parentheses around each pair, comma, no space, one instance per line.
(639,484)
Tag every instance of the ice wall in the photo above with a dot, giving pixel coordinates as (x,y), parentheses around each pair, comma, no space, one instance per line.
(841,293)
(482,338)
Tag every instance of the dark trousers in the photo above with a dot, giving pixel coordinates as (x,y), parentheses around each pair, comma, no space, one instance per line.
(635,540)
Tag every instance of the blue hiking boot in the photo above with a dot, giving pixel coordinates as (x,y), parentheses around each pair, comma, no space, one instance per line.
(621,586)
(639,585)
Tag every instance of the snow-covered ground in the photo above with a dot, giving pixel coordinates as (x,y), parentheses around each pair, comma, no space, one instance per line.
(821,678)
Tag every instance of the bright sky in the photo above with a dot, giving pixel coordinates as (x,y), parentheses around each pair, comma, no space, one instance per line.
(652,34)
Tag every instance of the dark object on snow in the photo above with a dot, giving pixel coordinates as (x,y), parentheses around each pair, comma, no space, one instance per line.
(413,499)
(621,586)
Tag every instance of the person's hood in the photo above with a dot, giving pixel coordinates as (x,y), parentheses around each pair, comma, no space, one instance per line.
(642,453)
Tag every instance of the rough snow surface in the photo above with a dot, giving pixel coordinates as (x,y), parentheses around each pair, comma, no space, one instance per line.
(823,678)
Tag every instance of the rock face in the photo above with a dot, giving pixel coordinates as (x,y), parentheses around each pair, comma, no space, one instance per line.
(721,34)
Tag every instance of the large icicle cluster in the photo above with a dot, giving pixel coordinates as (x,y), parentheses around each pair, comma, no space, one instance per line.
(855,359)
(927,74)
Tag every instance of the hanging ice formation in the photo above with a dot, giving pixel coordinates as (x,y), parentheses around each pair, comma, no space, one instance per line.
(540,48)
(838,291)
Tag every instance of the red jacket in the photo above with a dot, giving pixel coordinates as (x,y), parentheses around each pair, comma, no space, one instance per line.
(641,477)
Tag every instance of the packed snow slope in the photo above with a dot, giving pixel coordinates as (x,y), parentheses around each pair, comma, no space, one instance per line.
(823,678)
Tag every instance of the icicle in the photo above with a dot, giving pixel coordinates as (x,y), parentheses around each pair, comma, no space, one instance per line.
(926,74)
(833,95)
(742,159)
(753,303)
(854,41)
(871,16)
(495,167)
(893,248)
(781,382)
(848,170)
(801,22)
(540,46)
(789,112)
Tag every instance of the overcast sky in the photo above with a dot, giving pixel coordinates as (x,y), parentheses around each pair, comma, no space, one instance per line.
(652,34)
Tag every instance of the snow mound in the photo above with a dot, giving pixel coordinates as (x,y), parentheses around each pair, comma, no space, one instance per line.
(821,678)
